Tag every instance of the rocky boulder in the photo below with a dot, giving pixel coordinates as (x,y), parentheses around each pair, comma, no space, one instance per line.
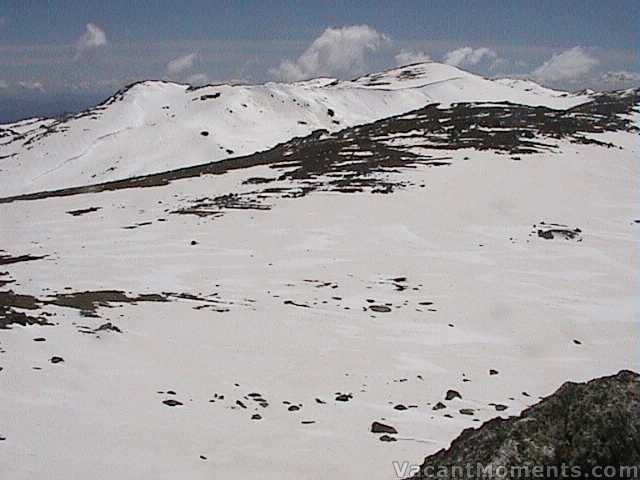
(580,427)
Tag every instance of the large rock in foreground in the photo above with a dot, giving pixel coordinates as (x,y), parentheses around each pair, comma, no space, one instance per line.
(580,427)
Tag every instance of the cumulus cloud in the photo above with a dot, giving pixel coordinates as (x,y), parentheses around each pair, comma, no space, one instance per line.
(407,57)
(336,52)
(181,64)
(198,79)
(620,79)
(569,66)
(93,38)
(468,57)
(180,67)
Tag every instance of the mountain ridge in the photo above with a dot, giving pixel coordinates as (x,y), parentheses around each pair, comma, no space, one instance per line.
(148,126)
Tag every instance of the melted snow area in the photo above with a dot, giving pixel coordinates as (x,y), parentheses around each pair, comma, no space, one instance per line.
(252,318)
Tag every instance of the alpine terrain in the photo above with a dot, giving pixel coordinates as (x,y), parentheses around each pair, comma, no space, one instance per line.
(321,279)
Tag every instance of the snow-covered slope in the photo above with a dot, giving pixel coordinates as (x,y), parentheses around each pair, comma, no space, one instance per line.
(157,126)
(232,326)
(253,317)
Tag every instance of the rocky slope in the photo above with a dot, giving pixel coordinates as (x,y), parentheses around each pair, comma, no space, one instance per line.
(579,428)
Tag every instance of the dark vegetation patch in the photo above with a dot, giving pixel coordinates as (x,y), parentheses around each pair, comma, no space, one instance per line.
(204,207)
(88,302)
(11,310)
(13,304)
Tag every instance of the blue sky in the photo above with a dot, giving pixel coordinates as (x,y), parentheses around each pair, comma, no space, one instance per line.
(63,48)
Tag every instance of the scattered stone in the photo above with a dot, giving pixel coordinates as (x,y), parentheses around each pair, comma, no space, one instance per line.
(82,211)
(343,397)
(172,403)
(451,394)
(467,411)
(256,416)
(439,406)
(549,231)
(108,327)
(55,360)
(380,308)
(40,339)
(377,427)
(493,372)
(577,342)
(387,438)
(293,408)
(400,407)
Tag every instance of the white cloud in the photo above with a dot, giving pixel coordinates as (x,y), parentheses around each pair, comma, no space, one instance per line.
(181,64)
(498,64)
(467,56)
(407,57)
(197,79)
(569,65)
(32,86)
(621,78)
(94,37)
(337,52)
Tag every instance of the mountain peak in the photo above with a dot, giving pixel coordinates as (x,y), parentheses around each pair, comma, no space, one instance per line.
(412,75)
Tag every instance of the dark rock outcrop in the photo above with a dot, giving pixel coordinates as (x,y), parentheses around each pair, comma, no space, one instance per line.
(579,427)
(377,427)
